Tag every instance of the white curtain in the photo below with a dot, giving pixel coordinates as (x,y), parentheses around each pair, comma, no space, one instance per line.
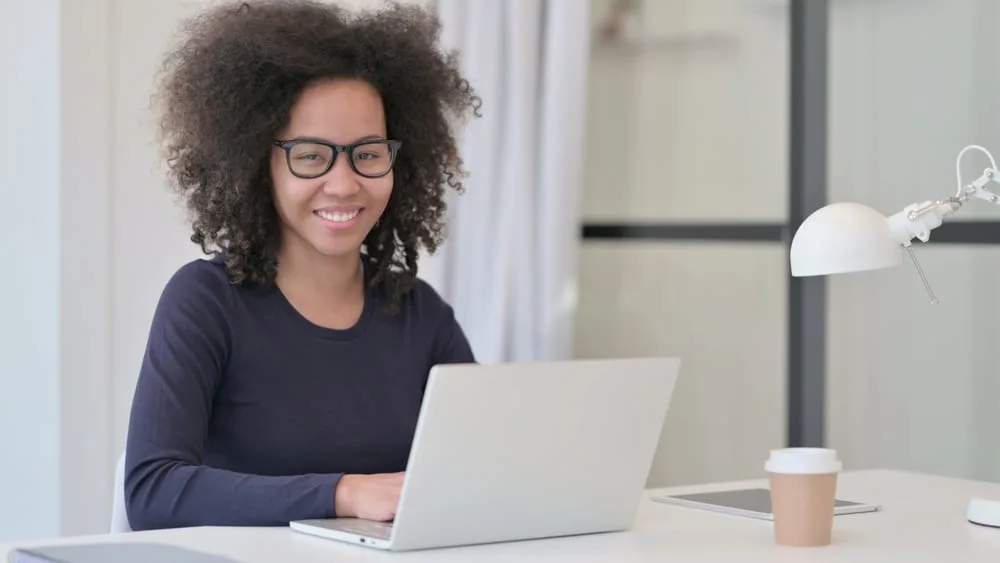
(509,266)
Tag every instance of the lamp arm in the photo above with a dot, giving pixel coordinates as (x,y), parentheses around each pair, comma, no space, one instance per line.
(917,220)
(958,168)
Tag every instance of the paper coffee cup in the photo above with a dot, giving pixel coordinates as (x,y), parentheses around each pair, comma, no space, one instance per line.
(803,491)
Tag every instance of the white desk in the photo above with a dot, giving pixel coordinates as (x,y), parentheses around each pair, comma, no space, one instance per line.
(923,520)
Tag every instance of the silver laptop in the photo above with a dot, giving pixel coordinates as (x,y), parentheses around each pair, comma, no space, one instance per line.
(523,451)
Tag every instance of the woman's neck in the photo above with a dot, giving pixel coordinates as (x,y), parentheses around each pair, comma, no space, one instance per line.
(327,290)
(329,275)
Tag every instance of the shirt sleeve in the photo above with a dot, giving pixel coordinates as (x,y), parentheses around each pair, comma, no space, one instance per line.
(166,485)
(450,343)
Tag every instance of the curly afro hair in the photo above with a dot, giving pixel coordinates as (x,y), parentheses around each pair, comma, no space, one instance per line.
(229,86)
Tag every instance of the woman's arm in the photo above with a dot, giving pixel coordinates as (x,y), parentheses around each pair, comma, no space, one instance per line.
(450,343)
(165,484)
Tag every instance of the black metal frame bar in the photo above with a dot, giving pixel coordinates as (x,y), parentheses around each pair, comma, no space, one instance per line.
(954,232)
(729,232)
(806,340)
(808,23)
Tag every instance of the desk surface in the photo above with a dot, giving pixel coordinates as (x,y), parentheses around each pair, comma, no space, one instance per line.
(922,520)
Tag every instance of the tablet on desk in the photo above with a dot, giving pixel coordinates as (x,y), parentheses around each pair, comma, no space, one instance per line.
(753,503)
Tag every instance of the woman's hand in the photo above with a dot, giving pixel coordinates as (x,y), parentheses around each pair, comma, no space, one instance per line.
(371,497)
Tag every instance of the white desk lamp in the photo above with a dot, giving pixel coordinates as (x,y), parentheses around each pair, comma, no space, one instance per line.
(850,237)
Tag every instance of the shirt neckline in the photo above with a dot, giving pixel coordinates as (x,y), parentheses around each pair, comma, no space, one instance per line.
(325,333)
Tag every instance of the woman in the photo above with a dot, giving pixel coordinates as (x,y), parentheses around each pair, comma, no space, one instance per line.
(284,374)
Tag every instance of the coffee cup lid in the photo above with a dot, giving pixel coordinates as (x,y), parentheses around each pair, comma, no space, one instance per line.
(803,461)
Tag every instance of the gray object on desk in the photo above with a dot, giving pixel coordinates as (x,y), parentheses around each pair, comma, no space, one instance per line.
(753,503)
(125,552)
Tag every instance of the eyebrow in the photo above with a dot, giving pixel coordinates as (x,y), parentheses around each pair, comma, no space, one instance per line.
(313,139)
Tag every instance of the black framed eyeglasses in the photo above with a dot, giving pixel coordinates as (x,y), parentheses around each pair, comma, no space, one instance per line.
(311,159)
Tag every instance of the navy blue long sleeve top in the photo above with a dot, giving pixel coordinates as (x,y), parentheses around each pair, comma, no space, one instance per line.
(246,413)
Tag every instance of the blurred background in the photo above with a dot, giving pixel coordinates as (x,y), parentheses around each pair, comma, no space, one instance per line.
(635,179)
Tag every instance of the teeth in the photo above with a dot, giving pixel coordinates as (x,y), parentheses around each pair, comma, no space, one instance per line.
(338,217)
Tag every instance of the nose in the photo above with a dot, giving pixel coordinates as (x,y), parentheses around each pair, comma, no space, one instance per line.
(341,180)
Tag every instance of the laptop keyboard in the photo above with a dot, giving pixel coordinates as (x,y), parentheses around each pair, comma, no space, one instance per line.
(378,530)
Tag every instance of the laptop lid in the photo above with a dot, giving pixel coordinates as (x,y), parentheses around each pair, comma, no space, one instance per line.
(529,450)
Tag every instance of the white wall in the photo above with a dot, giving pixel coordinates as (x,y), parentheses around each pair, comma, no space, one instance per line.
(694,128)
(912,385)
(688,121)
(690,124)
(30,292)
(90,234)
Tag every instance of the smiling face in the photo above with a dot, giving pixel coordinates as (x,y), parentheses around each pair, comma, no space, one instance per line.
(326,209)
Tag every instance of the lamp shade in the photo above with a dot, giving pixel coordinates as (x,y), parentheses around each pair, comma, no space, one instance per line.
(844,237)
